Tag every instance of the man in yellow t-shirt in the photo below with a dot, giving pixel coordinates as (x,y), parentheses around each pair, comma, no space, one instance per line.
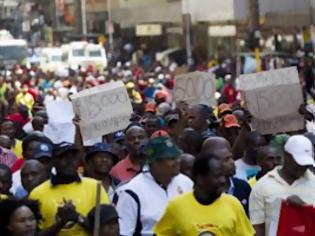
(66,198)
(205,211)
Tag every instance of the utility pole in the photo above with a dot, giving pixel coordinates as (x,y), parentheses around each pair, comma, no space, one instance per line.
(187,30)
(83,13)
(254,31)
(110,27)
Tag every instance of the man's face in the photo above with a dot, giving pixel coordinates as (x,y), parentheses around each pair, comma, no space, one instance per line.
(151,126)
(195,119)
(101,163)
(134,138)
(67,163)
(254,146)
(214,182)
(292,168)
(8,128)
(228,165)
(32,176)
(110,229)
(5,181)
(168,168)
(269,160)
(231,134)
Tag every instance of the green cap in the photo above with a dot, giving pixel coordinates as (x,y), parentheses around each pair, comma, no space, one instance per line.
(278,141)
(161,148)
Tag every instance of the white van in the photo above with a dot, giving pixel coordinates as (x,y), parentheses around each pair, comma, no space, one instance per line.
(50,59)
(83,54)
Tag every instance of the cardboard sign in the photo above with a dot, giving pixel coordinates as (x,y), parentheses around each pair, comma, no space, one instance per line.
(273,98)
(103,109)
(195,88)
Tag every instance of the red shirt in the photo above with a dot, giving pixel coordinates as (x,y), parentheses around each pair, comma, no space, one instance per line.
(230,93)
(125,170)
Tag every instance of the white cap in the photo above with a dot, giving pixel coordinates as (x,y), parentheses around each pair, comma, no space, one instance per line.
(301,150)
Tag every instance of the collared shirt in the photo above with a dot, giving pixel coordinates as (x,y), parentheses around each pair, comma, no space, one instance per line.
(7,157)
(153,201)
(245,171)
(272,187)
(125,170)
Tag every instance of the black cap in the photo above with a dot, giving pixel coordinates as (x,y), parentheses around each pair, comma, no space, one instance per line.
(63,147)
(107,213)
(101,148)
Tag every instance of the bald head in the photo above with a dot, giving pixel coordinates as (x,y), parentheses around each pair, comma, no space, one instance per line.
(215,143)
(5,141)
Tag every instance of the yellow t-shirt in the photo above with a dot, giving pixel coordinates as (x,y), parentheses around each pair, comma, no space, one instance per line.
(17,148)
(252,181)
(184,216)
(83,196)
(25,99)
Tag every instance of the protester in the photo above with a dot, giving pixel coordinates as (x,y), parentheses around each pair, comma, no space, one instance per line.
(71,197)
(129,167)
(5,180)
(190,141)
(7,157)
(33,173)
(221,148)
(199,119)
(247,167)
(38,123)
(157,184)
(206,210)
(5,142)
(109,225)
(19,217)
(99,160)
(230,128)
(9,128)
(292,182)
(267,158)
(186,164)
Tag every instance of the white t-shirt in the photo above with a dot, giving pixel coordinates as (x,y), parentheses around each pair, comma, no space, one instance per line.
(245,171)
(153,201)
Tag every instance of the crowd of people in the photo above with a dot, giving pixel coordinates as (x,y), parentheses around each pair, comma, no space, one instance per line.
(177,169)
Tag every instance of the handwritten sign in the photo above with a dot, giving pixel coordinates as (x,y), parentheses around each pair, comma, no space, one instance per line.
(195,88)
(103,109)
(273,98)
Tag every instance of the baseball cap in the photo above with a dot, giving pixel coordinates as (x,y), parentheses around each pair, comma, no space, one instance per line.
(101,148)
(160,133)
(161,148)
(107,213)
(301,150)
(230,121)
(43,150)
(150,107)
(119,136)
(63,147)
(224,108)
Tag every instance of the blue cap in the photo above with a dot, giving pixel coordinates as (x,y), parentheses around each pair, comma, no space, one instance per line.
(119,136)
(43,150)
(101,148)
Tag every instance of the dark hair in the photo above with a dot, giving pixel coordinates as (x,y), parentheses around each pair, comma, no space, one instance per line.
(251,136)
(192,138)
(5,168)
(35,136)
(7,208)
(201,165)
